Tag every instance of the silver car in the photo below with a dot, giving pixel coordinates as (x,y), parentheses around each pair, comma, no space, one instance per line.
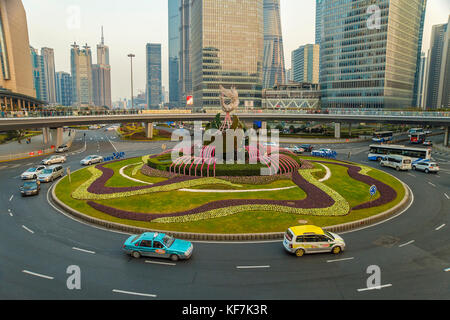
(54,159)
(32,172)
(91,159)
(426,166)
(63,148)
(51,173)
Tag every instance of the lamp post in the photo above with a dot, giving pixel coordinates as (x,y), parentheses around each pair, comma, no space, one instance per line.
(131,56)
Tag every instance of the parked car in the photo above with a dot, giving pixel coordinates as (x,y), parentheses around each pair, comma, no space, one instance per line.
(307,147)
(54,159)
(428,143)
(154,244)
(397,162)
(51,173)
(32,172)
(91,159)
(63,148)
(30,188)
(426,166)
(311,239)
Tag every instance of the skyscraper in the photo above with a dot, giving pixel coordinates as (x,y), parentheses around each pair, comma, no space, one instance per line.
(274,69)
(185,72)
(48,74)
(438,76)
(227,40)
(421,83)
(63,88)
(305,63)
(366,62)
(174,51)
(81,70)
(15,64)
(153,72)
(37,70)
(319,23)
(101,76)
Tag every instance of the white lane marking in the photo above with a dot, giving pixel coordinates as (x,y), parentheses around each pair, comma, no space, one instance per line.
(410,174)
(10,199)
(440,227)
(83,250)
(163,263)
(432,184)
(337,260)
(252,267)
(405,244)
(113,145)
(15,166)
(375,288)
(29,230)
(446,195)
(10,213)
(135,293)
(37,275)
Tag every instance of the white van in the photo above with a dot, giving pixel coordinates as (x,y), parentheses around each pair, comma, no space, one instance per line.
(397,162)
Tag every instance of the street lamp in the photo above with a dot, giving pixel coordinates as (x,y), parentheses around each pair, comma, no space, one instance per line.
(131,56)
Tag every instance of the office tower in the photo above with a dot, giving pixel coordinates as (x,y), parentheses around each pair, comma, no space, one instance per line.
(185,72)
(37,70)
(273,69)
(101,76)
(48,68)
(153,72)
(81,70)
(63,88)
(174,51)
(289,76)
(227,39)
(366,62)
(305,63)
(16,72)
(319,22)
(438,74)
(421,83)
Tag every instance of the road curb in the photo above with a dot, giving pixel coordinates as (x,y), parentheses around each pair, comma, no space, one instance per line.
(346,227)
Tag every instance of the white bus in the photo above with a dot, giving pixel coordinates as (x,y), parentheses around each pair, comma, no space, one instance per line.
(378,152)
(383,136)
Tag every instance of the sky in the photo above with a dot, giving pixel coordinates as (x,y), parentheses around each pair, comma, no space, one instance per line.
(130,25)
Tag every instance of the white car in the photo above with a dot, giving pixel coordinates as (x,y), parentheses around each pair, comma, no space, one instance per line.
(91,159)
(397,162)
(63,148)
(32,173)
(295,149)
(54,159)
(426,166)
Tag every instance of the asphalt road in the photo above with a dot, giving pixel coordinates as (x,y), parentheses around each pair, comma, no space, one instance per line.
(38,244)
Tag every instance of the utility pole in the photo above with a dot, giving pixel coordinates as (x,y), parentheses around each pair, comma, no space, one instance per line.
(131,56)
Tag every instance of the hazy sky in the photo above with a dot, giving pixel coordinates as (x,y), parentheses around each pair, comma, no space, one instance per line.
(130,25)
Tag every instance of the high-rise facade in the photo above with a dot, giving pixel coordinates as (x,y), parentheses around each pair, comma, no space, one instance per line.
(227,39)
(185,72)
(38,78)
(153,73)
(421,83)
(305,64)
(81,70)
(366,62)
(101,76)
(48,68)
(174,51)
(16,72)
(438,76)
(273,69)
(64,88)
(319,21)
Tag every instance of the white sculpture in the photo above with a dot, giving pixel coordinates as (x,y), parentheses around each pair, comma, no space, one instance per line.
(233,95)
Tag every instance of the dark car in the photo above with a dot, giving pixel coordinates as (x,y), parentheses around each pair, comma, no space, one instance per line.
(307,147)
(30,188)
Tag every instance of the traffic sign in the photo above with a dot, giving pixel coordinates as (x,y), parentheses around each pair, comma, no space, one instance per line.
(373,190)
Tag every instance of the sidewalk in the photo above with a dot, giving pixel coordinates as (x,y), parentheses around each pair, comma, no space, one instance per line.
(15,150)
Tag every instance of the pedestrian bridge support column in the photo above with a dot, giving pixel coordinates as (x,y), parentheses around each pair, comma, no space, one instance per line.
(45,135)
(337,130)
(149,130)
(446,142)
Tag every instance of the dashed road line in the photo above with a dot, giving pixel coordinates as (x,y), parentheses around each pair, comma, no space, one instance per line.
(447,196)
(440,227)
(83,250)
(10,199)
(252,267)
(28,229)
(431,184)
(162,263)
(135,293)
(338,260)
(405,244)
(10,213)
(375,288)
(37,274)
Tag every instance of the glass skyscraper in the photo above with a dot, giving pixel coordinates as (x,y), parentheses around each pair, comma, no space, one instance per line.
(63,88)
(154,81)
(366,63)
(274,70)
(81,71)
(174,51)
(305,64)
(319,20)
(227,49)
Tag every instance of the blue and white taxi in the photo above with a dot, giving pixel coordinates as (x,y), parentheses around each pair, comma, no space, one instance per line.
(159,245)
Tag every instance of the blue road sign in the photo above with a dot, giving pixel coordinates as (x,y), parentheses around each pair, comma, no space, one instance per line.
(373,190)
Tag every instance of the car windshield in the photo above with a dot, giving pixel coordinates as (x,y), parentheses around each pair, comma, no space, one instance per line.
(32,170)
(47,171)
(167,240)
(29,185)
(88,158)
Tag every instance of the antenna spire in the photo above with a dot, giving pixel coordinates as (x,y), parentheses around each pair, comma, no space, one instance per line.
(103,38)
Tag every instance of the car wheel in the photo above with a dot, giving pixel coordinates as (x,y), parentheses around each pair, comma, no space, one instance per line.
(174,257)
(414,168)
(136,255)
(300,252)
(397,168)
(337,250)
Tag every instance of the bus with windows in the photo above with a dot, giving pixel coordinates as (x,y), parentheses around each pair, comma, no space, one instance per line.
(383,136)
(378,152)
(416,130)
(417,138)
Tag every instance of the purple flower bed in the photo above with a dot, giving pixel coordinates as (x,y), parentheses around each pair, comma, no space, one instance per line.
(316,199)
(387,193)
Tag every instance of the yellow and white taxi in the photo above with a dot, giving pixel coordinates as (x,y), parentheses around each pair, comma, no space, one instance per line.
(312,239)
